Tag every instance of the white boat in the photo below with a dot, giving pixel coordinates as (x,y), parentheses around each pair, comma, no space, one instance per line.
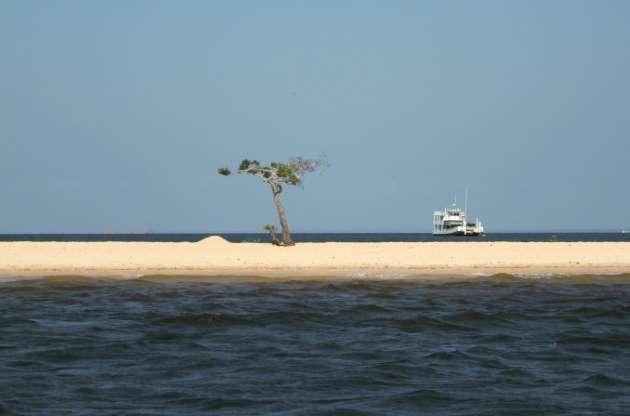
(453,221)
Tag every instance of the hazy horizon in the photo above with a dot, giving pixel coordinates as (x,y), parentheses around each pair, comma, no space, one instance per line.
(114,116)
(263,232)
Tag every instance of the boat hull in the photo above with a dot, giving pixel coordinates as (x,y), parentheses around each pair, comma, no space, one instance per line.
(471,231)
(460,234)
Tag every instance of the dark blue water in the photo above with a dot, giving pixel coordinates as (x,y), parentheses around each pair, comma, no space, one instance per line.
(493,346)
(320,237)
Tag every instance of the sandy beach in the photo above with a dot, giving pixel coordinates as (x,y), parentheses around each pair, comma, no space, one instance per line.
(214,256)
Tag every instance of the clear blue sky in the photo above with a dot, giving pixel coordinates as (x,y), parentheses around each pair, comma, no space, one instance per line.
(114,115)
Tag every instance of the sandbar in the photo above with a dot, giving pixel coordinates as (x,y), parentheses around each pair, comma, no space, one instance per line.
(215,256)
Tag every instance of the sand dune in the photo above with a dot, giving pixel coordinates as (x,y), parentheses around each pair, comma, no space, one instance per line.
(216,256)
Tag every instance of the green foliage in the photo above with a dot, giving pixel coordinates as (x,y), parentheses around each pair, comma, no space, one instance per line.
(284,170)
(244,164)
(269,227)
(294,179)
(278,172)
(224,171)
(288,172)
(249,166)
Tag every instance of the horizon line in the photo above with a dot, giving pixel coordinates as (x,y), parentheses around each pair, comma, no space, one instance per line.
(150,232)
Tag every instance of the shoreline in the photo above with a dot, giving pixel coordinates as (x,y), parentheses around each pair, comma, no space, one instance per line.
(215,257)
(315,274)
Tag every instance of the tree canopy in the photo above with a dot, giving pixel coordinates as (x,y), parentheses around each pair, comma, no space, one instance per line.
(275,175)
(278,172)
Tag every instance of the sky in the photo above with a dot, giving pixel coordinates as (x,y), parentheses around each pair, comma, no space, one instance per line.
(115,115)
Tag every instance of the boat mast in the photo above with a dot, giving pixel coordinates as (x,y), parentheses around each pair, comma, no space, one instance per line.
(465,211)
(466,200)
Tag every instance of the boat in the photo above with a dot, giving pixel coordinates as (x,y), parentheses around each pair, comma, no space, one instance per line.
(453,221)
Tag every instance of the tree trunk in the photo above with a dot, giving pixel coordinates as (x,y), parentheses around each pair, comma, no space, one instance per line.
(272,234)
(282,215)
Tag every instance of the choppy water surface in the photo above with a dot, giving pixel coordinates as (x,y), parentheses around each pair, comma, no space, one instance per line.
(499,345)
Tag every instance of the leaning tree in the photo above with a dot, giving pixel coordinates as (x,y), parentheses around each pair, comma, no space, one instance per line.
(275,176)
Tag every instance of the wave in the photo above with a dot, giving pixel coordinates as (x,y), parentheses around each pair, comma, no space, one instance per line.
(425,397)
(423,323)
(602,380)
(358,281)
(11,279)
(600,342)
(471,317)
(204,319)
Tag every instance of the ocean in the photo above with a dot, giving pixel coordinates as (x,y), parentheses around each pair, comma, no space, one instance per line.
(321,237)
(489,345)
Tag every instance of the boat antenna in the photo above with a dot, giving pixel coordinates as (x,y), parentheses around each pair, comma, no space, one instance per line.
(466,200)
(455,200)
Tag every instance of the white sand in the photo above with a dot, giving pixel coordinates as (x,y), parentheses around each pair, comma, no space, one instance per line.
(214,256)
